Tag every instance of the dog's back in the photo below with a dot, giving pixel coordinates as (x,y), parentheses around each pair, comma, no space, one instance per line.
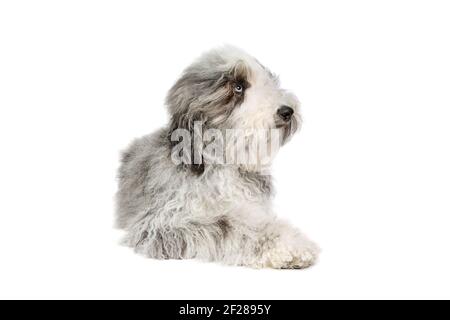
(141,162)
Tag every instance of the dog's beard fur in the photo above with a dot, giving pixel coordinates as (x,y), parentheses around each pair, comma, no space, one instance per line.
(209,211)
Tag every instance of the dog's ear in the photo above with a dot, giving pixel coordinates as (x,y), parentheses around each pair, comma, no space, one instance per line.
(187,102)
(193,125)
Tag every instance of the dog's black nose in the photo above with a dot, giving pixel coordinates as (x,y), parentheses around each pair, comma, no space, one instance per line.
(285,113)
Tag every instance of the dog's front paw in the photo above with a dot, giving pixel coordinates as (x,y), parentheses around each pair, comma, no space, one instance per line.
(291,256)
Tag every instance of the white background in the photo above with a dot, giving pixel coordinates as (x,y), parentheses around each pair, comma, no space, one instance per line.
(367,178)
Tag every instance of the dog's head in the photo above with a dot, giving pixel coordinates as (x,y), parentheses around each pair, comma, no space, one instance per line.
(228,89)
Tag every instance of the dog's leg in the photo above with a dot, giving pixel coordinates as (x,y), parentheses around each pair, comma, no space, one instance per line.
(268,243)
(255,239)
(158,238)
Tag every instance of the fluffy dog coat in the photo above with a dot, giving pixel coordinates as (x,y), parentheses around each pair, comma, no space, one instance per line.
(212,211)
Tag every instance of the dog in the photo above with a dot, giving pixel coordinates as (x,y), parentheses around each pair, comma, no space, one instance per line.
(181,203)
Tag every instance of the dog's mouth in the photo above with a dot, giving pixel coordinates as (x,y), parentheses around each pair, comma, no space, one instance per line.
(288,128)
(281,125)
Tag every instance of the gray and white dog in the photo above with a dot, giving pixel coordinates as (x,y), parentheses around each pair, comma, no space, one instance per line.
(215,211)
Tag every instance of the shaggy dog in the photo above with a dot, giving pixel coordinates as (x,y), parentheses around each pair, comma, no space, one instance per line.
(173,207)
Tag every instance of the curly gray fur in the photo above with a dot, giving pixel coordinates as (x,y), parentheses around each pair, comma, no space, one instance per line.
(209,211)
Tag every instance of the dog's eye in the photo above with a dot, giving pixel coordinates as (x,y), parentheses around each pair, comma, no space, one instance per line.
(238,88)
